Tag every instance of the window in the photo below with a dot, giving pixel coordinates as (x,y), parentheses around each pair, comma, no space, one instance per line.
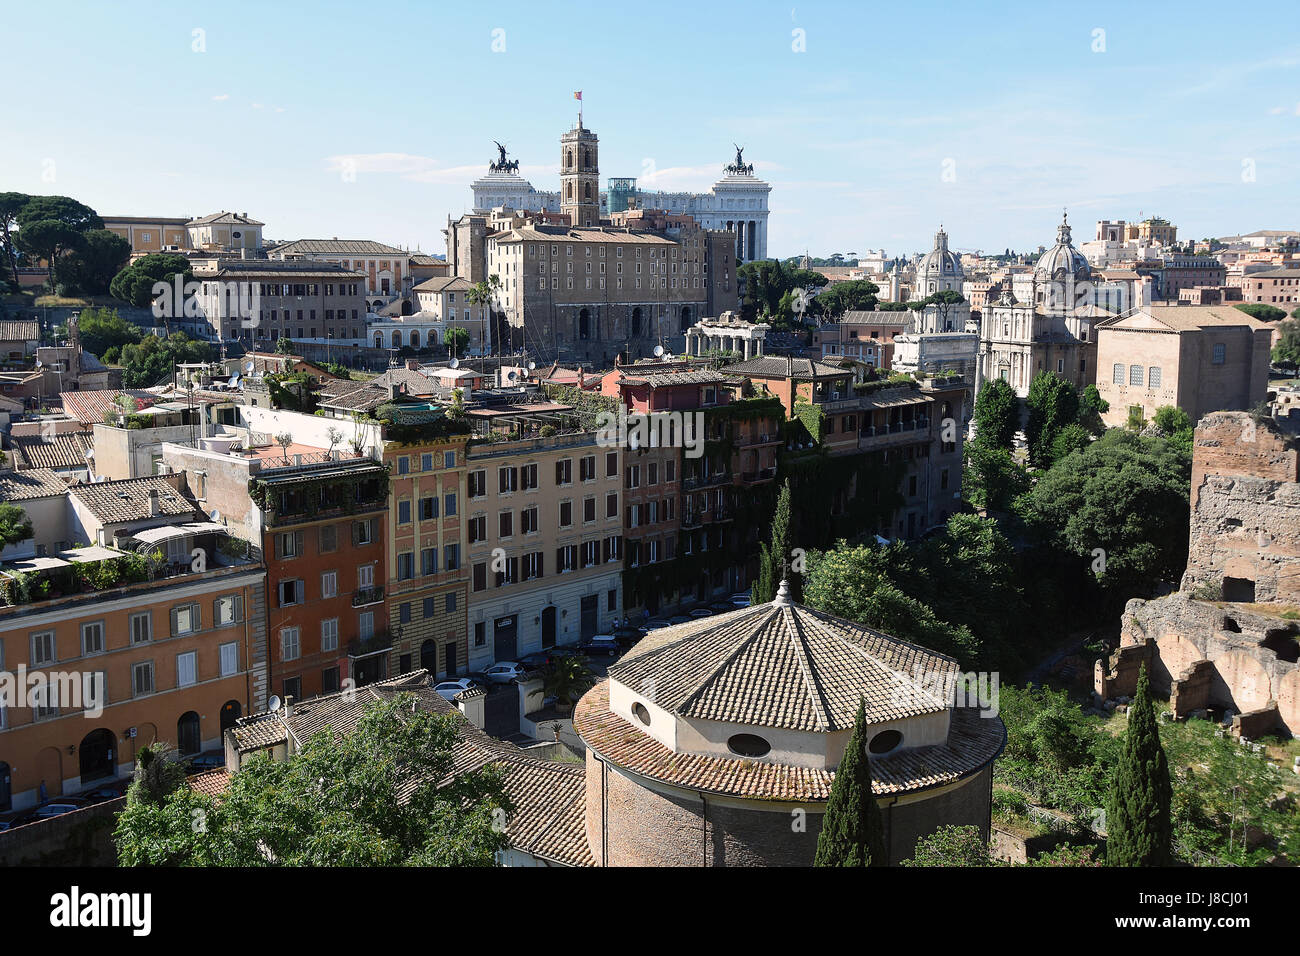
(449,459)
(528,477)
(611,505)
(428,561)
(329,584)
(477,529)
(291,592)
(404,512)
(449,505)
(229,659)
(451,557)
(1117,374)
(566,514)
(228,610)
(748,745)
(566,559)
(43,648)
(404,465)
(587,468)
(505,524)
(477,484)
(142,678)
(507,480)
(141,628)
(885,741)
(589,508)
(428,508)
(186,669)
(363,532)
(449,602)
(288,545)
(185,619)
(480,633)
(404,613)
(1153,376)
(528,520)
(366,625)
(92,638)
(1135,374)
(426,462)
(329,634)
(564,471)
(365,577)
(405,566)
(1219,354)
(480,576)
(611,464)
(290,649)
(329,538)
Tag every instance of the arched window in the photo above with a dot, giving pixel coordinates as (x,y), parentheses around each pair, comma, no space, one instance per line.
(97,755)
(397,340)
(748,745)
(415,339)
(379,341)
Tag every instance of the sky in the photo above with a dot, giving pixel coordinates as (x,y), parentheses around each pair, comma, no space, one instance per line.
(874,123)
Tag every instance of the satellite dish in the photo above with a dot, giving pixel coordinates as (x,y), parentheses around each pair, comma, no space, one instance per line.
(214,514)
(455,363)
(659,351)
(531,366)
(512,376)
(248,367)
(274,703)
(40,364)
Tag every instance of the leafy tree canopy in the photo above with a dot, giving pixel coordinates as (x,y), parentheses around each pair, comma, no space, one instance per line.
(134,284)
(1262,311)
(91,266)
(334,803)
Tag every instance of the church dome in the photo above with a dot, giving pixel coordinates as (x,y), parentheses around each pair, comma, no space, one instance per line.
(1062,260)
(940,268)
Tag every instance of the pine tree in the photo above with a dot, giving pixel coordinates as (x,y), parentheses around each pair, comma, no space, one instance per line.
(1137,812)
(773,560)
(852,833)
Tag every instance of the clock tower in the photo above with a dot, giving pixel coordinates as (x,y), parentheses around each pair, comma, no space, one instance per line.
(580,176)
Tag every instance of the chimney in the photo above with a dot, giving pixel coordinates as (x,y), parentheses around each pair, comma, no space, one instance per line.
(394,390)
(153,503)
(413,365)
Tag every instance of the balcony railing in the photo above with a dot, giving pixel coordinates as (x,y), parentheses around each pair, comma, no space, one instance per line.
(363,646)
(363,596)
(763,474)
(706,481)
(895,428)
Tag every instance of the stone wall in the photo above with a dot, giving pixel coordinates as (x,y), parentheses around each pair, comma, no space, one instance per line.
(81,838)
(1212,654)
(1245,509)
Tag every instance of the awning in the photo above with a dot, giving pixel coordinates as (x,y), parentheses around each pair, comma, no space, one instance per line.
(202,527)
(90,555)
(154,535)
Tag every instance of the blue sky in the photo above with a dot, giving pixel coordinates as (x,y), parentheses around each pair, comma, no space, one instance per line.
(112,104)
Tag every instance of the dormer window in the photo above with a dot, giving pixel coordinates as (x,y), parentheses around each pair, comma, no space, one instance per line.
(748,745)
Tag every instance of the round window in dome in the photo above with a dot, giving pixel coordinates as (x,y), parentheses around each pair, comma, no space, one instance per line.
(885,741)
(748,745)
(639,711)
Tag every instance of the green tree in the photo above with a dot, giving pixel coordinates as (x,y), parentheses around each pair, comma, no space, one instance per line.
(11,205)
(1053,403)
(944,302)
(1127,496)
(64,209)
(153,360)
(852,832)
(1262,311)
(15,526)
(774,559)
(997,414)
(1174,424)
(456,340)
(568,680)
(992,478)
(91,266)
(1091,407)
(104,329)
(1138,831)
(159,772)
(369,798)
(48,239)
(1287,351)
(858,295)
(952,846)
(135,283)
(1073,437)
(284,345)
(854,582)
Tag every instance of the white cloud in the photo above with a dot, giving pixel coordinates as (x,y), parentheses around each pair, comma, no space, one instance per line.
(222,96)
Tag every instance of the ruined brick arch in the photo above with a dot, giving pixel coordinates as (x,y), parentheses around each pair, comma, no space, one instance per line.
(1175,656)
(1241,682)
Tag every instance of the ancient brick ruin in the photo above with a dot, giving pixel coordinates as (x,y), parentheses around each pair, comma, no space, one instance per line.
(1239,654)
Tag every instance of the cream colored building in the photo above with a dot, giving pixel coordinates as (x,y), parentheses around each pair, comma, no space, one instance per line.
(150,234)
(545,548)
(231,232)
(1200,358)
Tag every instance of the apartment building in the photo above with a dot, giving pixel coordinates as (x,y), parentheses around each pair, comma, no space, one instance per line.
(1279,287)
(545,546)
(427,587)
(151,626)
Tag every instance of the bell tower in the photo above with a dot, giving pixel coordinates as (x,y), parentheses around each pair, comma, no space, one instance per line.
(580,176)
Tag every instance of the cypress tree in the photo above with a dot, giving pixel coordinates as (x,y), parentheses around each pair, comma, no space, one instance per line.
(852,833)
(773,560)
(1137,811)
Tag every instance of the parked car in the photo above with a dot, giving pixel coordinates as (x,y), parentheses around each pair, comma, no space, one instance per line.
(504,672)
(105,793)
(600,644)
(16,818)
(721,607)
(653,624)
(448,689)
(205,762)
(741,599)
(700,612)
(539,660)
(679,619)
(628,635)
(59,806)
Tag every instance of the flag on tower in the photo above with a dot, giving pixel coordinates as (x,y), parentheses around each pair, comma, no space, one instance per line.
(577,94)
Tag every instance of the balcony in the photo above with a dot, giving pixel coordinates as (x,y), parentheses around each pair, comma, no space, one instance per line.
(763,474)
(755,441)
(691,520)
(364,596)
(706,481)
(895,433)
(365,646)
